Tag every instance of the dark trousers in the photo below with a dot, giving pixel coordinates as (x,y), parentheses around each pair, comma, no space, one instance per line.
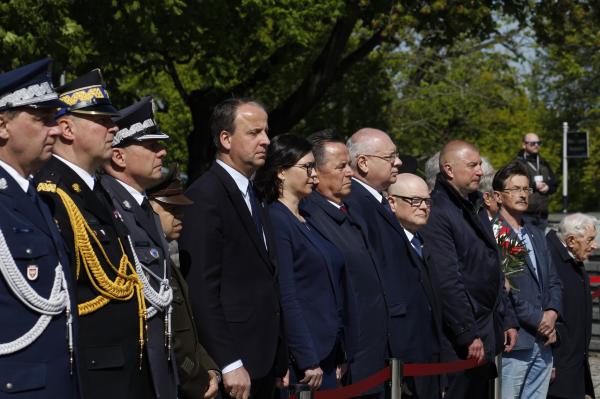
(473,383)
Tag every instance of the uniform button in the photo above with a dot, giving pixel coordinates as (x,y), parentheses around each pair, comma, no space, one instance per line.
(28,251)
(93,362)
(9,386)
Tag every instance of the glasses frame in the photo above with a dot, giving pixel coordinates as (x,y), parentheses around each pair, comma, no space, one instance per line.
(390,158)
(412,201)
(538,143)
(517,190)
(309,167)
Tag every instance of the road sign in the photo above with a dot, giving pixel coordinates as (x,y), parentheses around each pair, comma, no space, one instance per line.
(577,145)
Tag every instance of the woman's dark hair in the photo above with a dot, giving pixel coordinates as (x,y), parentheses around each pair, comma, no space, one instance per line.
(512,169)
(284,151)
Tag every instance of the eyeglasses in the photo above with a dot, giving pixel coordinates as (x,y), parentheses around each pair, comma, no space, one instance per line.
(309,166)
(390,158)
(415,202)
(517,190)
(538,143)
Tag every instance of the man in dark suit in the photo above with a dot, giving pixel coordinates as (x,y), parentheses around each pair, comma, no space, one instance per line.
(135,165)
(227,250)
(36,338)
(410,201)
(570,247)
(366,331)
(536,294)
(112,355)
(470,283)
(375,162)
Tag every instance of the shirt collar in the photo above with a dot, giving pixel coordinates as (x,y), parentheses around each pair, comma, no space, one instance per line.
(137,196)
(240,180)
(338,206)
(21,181)
(370,189)
(88,179)
(409,235)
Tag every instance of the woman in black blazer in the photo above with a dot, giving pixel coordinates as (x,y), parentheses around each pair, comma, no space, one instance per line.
(310,267)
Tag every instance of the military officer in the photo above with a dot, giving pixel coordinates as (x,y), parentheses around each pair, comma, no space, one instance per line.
(135,165)
(36,337)
(110,296)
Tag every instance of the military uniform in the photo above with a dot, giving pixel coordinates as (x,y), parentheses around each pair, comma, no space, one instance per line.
(36,349)
(112,351)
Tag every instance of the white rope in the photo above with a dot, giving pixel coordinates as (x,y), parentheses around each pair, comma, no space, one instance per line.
(57,303)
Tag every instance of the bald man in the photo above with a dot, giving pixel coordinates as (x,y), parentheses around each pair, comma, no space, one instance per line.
(476,311)
(541,180)
(411,203)
(375,162)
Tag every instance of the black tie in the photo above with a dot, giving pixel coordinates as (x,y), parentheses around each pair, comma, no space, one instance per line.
(255,210)
(147,208)
(386,205)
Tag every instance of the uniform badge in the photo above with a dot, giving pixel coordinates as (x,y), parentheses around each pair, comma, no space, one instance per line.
(76,188)
(32,272)
(117,215)
(3,184)
(126,204)
(154,253)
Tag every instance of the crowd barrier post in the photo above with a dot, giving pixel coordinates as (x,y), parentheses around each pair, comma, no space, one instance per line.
(396,371)
(498,380)
(301,391)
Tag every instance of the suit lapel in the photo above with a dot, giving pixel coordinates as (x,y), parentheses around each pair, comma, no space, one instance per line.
(243,212)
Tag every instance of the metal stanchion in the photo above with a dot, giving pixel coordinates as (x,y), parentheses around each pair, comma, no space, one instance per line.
(498,381)
(302,391)
(396,369)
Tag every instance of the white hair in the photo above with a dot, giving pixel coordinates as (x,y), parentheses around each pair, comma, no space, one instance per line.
(432,168)
(359,147)
(485,184)
(575,225)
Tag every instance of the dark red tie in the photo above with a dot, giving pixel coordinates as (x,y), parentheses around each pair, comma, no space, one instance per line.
(344,208)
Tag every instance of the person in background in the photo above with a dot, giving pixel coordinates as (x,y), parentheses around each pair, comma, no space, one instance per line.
(569,248)
(37,349)
(541,179)
(198,373)
(487,192)
(432,168)
(536,293)
(411,203)
(310,268)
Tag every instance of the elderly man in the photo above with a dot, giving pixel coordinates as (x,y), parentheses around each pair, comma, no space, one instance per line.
(410,201)
(490,205)
(366,311)
(536,296)
(541,179)
(470,282)
(226,244)
(570,248)
(375,162)
(36,302)
(113,360)
(134,166)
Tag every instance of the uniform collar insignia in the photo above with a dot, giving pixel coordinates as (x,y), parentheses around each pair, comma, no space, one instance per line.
(3,184)
(76,188)
(126,204)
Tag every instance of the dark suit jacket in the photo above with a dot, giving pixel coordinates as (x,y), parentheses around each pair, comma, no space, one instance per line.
(411,319)
(466,261)
(366,314)
(41,370)
(234,279)
(535,293)
(574,327)
(109,337)
(152,251)
(311,289)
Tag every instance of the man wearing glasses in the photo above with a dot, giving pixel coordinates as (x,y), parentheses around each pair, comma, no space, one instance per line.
(411,203)
(541,180)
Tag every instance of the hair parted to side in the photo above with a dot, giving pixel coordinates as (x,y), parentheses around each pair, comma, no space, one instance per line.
(575,225)
(223,116)
(284,152)
(512,169)
(318,141)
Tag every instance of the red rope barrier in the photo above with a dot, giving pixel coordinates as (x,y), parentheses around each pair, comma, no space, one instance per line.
(427,369)
(356,389)
(596,294)
(594,279)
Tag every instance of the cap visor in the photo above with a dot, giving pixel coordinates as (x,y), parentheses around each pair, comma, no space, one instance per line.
(153,136)
(103,109)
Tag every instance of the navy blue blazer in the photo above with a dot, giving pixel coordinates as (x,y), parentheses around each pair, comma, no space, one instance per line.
(466,262)
(535,293)
(365,310)
(42,369)
(408,304)
(310,271)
